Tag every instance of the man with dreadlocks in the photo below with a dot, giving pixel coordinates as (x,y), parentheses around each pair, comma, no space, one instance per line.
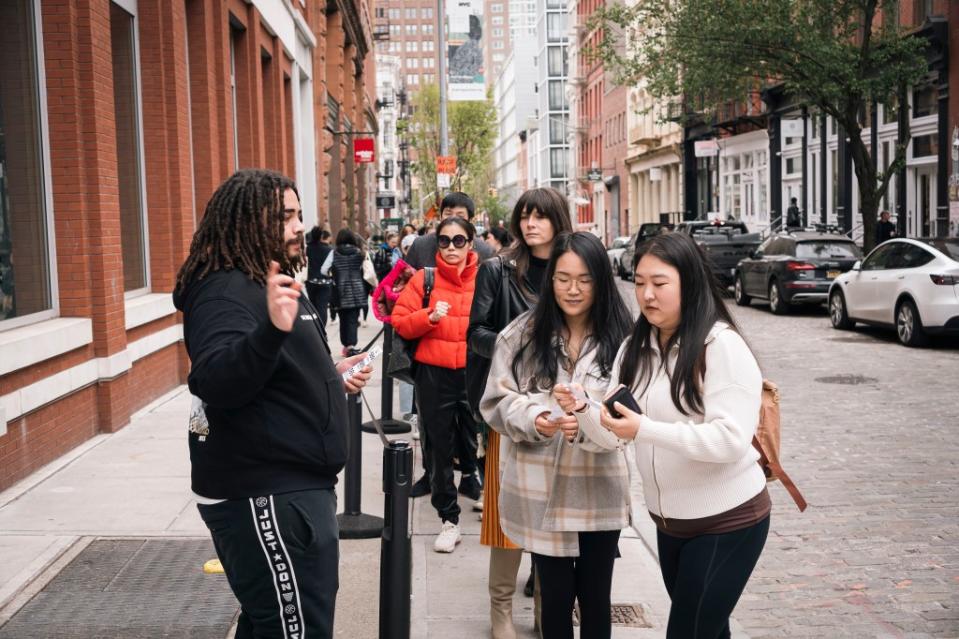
(265,464)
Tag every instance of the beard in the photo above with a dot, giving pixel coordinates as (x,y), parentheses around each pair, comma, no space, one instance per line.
(291,256)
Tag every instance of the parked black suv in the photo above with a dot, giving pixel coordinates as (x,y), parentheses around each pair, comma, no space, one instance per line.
(725,244)
(646,231)
(794,268)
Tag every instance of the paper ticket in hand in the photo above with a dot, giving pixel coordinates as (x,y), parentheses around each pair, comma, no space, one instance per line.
(556,413)
(373,353)
(581,395)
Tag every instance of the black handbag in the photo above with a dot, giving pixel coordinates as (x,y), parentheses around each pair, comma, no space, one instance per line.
(402,366)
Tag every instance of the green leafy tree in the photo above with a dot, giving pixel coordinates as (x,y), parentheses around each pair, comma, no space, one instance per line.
(472,134)
(838,56)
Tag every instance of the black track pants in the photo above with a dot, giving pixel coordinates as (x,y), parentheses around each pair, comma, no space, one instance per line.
(280,554)
(445,414)
(705,577)
(587,578)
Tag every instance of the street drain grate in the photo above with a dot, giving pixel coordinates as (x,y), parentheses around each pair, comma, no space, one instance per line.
(131,589)
(847,380)
(627,615)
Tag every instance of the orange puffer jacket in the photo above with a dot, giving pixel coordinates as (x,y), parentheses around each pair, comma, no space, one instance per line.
(442,344)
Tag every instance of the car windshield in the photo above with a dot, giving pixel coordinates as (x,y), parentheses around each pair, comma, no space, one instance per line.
(827,250)
(948,246)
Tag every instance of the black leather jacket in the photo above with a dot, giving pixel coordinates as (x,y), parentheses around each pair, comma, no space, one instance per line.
(491,312)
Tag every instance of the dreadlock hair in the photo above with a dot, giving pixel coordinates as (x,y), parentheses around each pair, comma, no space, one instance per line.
(242,228)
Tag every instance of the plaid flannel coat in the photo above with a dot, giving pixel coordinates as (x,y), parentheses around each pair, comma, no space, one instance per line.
(551,489)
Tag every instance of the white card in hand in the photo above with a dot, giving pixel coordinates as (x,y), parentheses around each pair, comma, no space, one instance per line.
(373,353)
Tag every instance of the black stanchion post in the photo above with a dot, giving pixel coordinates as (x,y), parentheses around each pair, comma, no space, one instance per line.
(396,552)
(390,426)
(353,523)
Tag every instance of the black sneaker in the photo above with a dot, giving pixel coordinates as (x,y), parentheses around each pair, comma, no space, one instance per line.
(470,487)
(528,588)
(421,488)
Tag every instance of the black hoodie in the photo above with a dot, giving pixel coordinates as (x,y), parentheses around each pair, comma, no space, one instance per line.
(275,403)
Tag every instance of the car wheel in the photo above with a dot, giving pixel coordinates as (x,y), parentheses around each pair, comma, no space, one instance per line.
(739,292)
(909,325)
(837,312)
(777,304)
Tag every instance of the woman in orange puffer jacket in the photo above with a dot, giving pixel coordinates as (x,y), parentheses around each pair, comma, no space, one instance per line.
(440,376)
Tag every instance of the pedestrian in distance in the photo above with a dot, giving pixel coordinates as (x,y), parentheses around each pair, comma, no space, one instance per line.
(265,460)
(506,287)
(563,498)
(885,229)
(498,239)
(345,265)
(318,286)
(793,216)
(440,375)
(698,388)
(454,204)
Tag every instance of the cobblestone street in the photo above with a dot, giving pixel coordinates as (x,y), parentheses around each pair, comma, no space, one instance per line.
(869,436)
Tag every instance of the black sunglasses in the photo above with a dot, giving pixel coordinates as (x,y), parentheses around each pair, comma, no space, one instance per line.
(459,241)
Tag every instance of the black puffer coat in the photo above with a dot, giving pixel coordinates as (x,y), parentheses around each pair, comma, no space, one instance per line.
(347,272)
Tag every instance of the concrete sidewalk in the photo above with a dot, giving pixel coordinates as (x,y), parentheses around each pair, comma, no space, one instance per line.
(134,484)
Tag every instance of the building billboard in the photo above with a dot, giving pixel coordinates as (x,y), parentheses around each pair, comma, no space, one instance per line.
(465,50)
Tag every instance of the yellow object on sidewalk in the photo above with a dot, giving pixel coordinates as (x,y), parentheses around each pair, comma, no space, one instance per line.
(213,567)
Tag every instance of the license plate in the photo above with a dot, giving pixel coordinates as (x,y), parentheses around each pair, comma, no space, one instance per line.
(832,274)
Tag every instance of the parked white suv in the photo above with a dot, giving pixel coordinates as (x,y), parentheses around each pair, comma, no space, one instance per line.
(912,285)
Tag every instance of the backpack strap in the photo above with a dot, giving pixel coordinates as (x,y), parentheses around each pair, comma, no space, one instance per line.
(775,471)
(428,278)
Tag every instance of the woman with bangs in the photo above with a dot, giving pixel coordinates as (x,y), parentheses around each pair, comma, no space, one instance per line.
(506,287)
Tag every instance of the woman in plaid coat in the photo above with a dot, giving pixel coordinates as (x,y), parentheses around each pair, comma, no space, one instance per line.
(562,497)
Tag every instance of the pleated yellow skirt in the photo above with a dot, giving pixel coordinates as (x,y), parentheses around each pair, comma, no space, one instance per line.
(491,534)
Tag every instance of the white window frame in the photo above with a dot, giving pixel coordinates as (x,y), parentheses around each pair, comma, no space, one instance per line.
(47,180)
(130,6)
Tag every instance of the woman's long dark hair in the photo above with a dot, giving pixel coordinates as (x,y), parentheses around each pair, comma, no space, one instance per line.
(234,232)
(609,319)
(549,203)
(701,306)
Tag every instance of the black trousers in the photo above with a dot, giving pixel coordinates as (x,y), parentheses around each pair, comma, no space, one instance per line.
(320,298)
(349,325)
(587,578)
(280,554)
(444,413)
(705,577)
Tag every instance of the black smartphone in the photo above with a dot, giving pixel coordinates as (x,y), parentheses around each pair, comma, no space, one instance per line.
(624,397)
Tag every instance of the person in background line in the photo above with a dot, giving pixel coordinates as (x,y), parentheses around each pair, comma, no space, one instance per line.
(498,239)
(563,498)
(539,216)
(700,389)
(264,463)
(345,265)
(444,413)
(885,229)
(318,286)
(793,216)
(454,204)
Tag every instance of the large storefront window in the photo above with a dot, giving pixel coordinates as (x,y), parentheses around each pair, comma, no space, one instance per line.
(126,113)
(25,273)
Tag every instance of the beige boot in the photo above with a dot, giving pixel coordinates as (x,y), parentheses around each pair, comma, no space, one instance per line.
(503,569)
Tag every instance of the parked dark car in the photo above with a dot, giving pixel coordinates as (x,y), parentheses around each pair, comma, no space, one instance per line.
(646,231)
(725,243)
(794,268)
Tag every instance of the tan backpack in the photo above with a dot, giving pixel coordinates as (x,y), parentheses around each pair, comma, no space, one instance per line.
(766,441)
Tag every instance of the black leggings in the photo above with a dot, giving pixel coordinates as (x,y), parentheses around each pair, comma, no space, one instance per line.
(587,578)
(349,324)
(705,577)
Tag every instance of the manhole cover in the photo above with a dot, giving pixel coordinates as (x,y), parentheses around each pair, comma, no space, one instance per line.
(847,380)
(627,615)
(131,589)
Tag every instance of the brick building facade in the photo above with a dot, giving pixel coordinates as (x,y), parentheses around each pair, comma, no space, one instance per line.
(118,119)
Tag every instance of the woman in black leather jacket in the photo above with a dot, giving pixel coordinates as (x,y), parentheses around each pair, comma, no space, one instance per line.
(506,287)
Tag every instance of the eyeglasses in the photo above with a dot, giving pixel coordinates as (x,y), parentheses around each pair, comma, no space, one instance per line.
(459,241)
(565,283)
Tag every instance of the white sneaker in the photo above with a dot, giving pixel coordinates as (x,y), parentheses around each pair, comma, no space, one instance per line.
(414,424)
(478,504)
(448,538)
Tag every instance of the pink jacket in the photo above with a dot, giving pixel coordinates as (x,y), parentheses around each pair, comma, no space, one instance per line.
(389,289)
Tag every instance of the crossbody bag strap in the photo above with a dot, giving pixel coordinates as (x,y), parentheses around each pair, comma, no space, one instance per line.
(428,277)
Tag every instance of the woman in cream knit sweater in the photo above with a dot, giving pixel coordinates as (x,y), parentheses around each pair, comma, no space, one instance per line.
(699,410)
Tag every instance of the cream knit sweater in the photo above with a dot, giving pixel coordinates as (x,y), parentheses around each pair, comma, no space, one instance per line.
(701,464)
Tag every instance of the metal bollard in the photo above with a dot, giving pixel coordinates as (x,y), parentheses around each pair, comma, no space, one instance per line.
(353,523)
(396,552)
(390,426)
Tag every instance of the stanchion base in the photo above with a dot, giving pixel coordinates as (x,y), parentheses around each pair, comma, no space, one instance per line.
(361,526)
(390,427)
